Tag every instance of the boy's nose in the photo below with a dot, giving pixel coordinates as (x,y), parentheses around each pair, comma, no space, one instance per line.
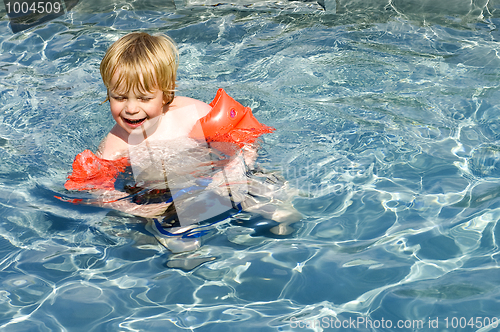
(132,107)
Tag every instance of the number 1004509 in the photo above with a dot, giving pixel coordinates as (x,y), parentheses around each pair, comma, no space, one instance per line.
(35,7)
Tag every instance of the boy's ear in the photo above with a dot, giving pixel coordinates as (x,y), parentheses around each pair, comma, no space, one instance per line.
(167,98)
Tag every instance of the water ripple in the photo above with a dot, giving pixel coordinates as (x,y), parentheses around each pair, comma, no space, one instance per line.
(387,126)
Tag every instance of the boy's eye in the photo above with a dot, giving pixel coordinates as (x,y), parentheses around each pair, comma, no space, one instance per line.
(118,98)
(145,98)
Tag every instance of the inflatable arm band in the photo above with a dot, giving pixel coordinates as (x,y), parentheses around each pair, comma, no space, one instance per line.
(228,121)
(91,172)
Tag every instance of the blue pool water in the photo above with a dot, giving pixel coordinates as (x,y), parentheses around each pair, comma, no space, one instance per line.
(387,123)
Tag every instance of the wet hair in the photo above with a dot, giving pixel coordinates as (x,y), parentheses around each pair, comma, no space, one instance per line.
(144,63)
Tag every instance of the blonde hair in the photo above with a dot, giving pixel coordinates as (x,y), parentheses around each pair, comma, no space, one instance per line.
(144,63)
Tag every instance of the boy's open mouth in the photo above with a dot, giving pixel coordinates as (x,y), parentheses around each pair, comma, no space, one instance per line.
(133,121)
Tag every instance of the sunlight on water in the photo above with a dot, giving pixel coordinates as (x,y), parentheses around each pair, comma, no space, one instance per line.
(387,128)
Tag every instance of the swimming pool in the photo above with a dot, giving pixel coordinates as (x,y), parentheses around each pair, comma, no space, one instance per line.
(387,123)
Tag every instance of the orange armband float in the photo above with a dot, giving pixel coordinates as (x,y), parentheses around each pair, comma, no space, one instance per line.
(91,172)
(228,121)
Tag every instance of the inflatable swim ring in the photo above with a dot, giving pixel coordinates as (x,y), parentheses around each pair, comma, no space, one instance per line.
(228,121)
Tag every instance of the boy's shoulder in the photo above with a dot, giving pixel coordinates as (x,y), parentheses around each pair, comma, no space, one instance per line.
(181,101)
(113,146)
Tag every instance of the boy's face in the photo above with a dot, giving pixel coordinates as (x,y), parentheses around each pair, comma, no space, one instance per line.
(134,109)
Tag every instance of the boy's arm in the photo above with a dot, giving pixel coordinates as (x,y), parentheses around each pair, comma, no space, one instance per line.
(113,146)
(249,155)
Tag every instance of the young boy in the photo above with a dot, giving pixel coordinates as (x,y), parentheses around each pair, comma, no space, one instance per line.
(158,134)
(153,126)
